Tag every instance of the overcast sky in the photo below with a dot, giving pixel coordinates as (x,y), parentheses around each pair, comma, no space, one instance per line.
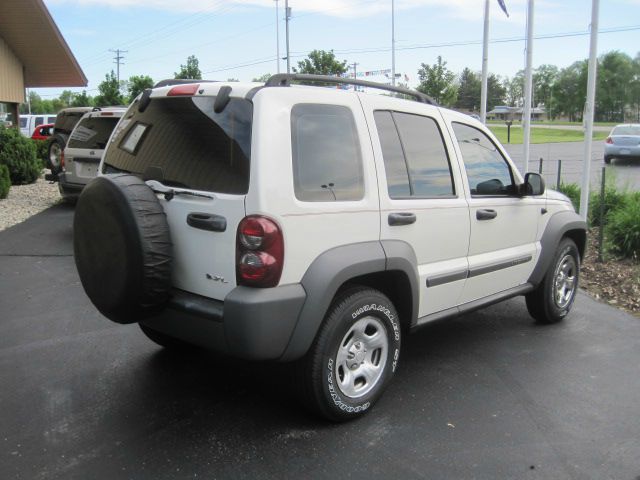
(237,38)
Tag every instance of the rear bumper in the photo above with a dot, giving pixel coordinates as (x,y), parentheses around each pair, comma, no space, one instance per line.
(251,323)
(622,151)
(68,188)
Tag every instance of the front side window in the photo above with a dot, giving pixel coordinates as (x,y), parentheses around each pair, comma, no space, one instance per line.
(327,163)
(488,172)
(415,157)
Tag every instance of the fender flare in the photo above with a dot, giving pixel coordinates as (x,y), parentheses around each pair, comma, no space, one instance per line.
(557,228)
(332,269)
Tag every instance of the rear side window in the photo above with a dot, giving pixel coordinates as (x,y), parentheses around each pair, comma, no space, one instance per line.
(182,142)
(327,163)
(67,120)
(415,157)
(92,133)
(626,130)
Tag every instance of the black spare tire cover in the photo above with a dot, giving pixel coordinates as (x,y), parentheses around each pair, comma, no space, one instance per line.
(122,247)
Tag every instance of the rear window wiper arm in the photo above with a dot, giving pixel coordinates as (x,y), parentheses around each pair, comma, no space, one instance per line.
(169,192)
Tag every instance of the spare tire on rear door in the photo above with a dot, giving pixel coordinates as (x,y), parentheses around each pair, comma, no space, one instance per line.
(122,247)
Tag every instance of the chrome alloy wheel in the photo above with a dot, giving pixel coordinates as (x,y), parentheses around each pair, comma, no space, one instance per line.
(565,281)
(361,357)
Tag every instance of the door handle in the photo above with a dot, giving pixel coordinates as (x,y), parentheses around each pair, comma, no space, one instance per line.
(401,218)
(207,221)
(486,214)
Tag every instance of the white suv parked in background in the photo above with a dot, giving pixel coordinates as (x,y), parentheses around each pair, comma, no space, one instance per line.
(83,151)
(296,223)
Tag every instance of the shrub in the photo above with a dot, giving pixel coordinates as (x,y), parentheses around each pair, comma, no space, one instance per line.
(623,229)
(42,150)
(5,181)
(18,153)
(571,190)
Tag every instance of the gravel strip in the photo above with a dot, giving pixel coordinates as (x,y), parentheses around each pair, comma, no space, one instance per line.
(27,200)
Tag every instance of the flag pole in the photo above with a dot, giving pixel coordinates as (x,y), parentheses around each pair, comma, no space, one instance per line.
(589,110)
(485,64)
(526,113)
(393,43)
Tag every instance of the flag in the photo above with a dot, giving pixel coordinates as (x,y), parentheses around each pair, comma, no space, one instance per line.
(503,7)
(406,78)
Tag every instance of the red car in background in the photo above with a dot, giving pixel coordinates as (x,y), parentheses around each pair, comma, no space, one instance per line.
(43,132)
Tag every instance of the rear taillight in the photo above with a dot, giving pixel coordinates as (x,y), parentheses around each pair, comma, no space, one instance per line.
(609,141)
(259,252)
(61,159)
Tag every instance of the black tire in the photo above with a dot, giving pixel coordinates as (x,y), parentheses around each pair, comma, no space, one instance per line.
(323,376)
(546,303)
(56,145)
(166,341)
(122,248)
(607,159)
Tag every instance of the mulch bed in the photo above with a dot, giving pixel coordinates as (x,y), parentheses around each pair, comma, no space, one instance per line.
(614,281)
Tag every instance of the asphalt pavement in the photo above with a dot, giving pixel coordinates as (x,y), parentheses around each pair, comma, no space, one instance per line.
(624,173)
(489,395)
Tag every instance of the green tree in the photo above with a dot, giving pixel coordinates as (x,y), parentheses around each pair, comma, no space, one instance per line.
(262,78)
(321,62)
(109,92)
(514,89)
(615,77)
(66,98)
(570,89)
(543,79)
(469,86)
(191,70)
(438,82)
(137,84)
(82,100)
(634,89)
(496,92)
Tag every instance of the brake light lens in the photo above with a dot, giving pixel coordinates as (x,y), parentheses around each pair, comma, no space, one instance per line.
(609,140)
(188,89)
(62,160)
(259,252)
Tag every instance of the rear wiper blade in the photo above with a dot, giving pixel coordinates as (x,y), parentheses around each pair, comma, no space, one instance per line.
(169,192)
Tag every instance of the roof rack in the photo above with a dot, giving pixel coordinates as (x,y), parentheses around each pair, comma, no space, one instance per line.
(285,80)
(179,81)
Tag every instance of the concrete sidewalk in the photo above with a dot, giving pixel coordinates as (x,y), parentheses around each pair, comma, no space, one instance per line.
(489,395)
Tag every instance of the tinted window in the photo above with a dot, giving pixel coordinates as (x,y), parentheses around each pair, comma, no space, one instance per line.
(39,121)
(92,132)
(67,120)
(394,163)
(415,158)
(23,122)
(182,142)
(487,170)
(327,165)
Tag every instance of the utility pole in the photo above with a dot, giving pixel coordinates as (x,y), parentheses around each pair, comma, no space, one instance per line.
(393,43)
(118,61)
(287,16)
(277,39)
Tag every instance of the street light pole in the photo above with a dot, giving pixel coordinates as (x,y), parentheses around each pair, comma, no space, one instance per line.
(589,110)
(526,113)
(485,64)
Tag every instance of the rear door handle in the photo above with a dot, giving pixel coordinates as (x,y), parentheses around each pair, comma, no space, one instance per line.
(401,218)
(486,214)
(207,221)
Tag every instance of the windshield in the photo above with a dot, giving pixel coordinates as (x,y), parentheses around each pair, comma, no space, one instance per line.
(627,130)
(92,133)
(182,142)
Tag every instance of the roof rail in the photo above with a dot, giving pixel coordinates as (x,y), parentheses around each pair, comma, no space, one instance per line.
(285,80)
(179,81)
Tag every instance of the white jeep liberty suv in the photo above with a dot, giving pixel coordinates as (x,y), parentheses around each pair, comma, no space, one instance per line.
(289,222)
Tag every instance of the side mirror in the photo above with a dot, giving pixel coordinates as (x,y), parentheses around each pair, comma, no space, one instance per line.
(533,185)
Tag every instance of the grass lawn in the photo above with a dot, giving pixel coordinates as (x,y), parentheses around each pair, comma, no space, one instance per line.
(543,135)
